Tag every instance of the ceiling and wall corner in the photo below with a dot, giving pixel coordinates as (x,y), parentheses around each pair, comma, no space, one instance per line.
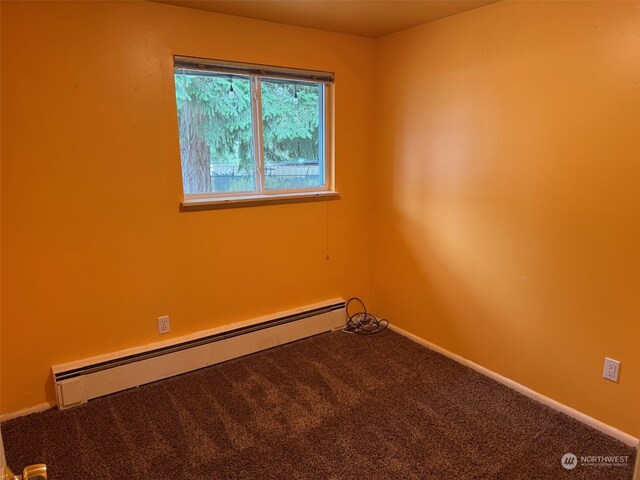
(370,18)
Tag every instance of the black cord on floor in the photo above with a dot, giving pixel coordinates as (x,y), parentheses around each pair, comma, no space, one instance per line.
(362,322)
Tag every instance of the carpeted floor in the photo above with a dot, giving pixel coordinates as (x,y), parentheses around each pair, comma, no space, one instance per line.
(335,406)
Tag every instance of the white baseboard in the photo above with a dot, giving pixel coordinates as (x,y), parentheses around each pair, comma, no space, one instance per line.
(41,407)
(586,419)
(582,417)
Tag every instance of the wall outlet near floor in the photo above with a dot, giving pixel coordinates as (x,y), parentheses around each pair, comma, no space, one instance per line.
(163,325)
(611,369)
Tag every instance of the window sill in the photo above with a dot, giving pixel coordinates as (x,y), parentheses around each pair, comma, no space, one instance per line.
(213,203)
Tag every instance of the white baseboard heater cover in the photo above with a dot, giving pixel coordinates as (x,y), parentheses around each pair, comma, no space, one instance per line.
(78,382)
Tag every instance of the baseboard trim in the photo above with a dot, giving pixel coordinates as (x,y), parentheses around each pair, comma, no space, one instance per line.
(41,407)
(572,412)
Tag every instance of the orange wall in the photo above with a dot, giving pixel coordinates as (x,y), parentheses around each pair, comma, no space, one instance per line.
(507,183)
(506,174)
(93,245)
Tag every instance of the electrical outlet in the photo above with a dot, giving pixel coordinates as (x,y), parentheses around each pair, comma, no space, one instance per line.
(163,325)
(611,369)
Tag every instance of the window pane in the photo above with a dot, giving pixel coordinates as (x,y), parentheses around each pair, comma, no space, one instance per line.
(216,136)
(292,121)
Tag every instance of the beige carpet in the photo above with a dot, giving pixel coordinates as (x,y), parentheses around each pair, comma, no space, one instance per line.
(335,406)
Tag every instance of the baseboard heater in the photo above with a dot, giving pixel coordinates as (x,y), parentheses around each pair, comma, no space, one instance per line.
(80,381)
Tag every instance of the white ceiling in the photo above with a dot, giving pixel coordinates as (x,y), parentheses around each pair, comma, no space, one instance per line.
(371,18)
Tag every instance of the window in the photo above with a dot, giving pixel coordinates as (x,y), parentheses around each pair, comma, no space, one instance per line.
(252,131)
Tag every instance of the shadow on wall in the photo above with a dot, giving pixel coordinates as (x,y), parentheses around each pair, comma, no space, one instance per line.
(506,176)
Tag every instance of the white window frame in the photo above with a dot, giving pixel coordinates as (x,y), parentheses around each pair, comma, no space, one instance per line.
(261,195)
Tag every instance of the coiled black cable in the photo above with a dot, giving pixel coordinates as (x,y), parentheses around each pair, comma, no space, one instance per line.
(361,321)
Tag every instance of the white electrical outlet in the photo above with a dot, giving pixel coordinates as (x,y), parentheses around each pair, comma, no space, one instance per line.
(163,325)
(611,369)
